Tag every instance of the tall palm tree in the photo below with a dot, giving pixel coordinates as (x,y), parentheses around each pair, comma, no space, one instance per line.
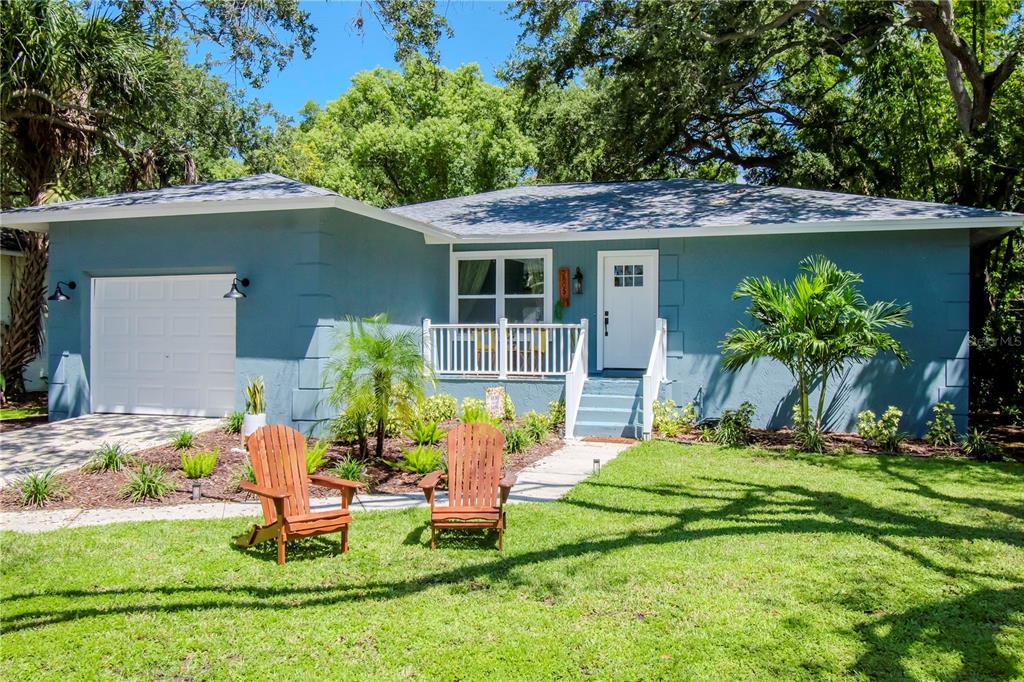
(377,369)
(815,327)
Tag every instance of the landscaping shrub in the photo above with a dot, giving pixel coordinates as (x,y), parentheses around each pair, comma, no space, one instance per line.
(421,459)
(183,440)
(149,481)
(537,425)
(669,420)
(517,438)
(475,412)
(508,408)
(978,445)
(438,408)
(199,464)
(38,489)
(350,469)
(234,422)
(942,428)
(423,432)
(316,455)
(734,425)
(556,411)
(884,432)
(109,457)
(255,396)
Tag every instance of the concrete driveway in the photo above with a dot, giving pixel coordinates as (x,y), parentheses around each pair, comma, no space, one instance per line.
(67,444)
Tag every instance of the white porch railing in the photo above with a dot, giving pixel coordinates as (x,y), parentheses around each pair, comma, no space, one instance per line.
(575,380)
(502,349)
(657,372)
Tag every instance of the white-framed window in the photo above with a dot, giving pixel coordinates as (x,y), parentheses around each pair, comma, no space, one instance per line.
(488,285)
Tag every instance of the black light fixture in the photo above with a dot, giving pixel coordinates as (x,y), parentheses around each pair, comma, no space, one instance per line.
(577,282)
(58,293)
(234,292)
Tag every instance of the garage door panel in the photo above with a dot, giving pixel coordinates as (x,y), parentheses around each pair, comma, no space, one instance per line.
(163,345)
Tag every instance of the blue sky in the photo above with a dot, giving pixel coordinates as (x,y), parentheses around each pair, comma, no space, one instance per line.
(484,33)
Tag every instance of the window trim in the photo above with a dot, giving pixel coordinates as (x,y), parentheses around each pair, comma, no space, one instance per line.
(499,257)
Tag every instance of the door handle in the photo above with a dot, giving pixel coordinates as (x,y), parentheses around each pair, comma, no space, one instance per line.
(606,323)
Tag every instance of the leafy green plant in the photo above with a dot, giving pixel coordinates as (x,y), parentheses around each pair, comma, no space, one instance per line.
(475,412)
(424,432)
(380,371)
(537,425)
(885,432)
(508,408)
(350,469)
(437,408)
(109,457)
(556,411)
(808,436)
(734,426)
(421,459)
(517,438)
(255,396)
(942,428)
(816,327)
(316,455)
(978,445)
(199,464)
(149,481)
(669,420)
(39,488)
(234,422)
(183,440)
(246,473)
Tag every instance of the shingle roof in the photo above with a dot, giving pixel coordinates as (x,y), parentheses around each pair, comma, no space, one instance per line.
(661,204)
(266,186)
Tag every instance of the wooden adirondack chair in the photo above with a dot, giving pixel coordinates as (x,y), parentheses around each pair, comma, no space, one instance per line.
(475,495)
(278,455)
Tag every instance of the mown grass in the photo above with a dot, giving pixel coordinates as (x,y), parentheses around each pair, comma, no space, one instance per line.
(21,412)
(675,563)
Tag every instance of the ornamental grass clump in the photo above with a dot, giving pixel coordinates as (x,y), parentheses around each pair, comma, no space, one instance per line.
(316,455)
(349,468)
(148,482)
(109,457)
(199,464)
(537,425)
(517,438)
(475,412)
(183,440)
(978,445)
(234,422)
(39,488)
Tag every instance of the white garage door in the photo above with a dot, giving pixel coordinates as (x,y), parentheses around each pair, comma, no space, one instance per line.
(163,345)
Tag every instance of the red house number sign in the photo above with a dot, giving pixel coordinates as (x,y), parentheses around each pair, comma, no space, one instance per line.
(563,286)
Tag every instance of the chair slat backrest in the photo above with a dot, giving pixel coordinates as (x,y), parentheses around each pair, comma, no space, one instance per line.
(278,455)
(474,465)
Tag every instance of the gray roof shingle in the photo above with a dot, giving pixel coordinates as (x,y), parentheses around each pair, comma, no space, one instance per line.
(266,186)
(658,204)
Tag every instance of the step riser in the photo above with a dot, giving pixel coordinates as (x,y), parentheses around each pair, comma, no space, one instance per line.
(613,402)
(613,387)
(617,417)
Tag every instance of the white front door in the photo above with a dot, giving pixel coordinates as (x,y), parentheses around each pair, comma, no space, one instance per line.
(628,307)
(163,345)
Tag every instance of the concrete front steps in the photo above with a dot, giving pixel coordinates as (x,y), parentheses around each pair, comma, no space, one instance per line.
(611,407)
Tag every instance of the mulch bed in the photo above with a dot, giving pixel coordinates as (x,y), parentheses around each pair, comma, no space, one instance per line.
(102,489)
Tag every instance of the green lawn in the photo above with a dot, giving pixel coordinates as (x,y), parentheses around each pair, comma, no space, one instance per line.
(22,412)
(675,563)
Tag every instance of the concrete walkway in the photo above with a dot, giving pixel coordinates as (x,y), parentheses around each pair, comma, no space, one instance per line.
(68,443)
(544,481)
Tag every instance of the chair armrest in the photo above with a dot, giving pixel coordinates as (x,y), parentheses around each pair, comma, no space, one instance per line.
(263,492)
(338,483)
(428,483)
(506,485)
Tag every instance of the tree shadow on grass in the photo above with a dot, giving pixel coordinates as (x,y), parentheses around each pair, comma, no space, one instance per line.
(734,509)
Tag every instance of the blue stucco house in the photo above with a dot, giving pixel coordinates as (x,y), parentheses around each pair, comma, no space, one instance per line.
(606,294)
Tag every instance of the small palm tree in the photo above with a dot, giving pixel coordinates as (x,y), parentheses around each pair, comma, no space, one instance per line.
(375,369)
(814,327)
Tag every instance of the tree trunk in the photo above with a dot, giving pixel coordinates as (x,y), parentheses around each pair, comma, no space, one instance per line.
(23,336)
(380,438)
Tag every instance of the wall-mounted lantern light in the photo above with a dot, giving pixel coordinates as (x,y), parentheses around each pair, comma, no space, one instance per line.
(58,293)
(577,282)
(234,292)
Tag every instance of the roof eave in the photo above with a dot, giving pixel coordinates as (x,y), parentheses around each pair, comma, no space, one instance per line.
(1004,223)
